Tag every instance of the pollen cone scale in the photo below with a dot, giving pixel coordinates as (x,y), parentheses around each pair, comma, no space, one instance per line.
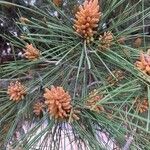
(87,19)
(143,63)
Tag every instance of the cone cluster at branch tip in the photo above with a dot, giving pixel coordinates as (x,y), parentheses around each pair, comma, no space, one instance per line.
(94,97)
(87,19)
(38,108)
(16,91)
(31,52)
(106,40)
(143,63)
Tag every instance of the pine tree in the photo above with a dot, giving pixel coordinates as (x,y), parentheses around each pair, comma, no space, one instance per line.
(78,77)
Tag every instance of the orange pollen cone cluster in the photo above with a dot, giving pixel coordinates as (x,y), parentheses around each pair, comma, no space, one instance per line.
(31,53)
(87,19)
(58,102)
(143,63)
(94,98)
(16,91)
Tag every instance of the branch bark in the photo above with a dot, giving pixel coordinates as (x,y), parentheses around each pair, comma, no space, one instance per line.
(129,141)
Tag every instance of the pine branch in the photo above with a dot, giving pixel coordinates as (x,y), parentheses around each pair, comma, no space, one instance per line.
(5,82)
(129,141)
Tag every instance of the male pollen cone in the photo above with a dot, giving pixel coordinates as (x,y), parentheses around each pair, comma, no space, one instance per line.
(16,91)
(106,40)
(137,42)
(142,105)
(58,102)
(38,108)
(87,19)
(24,20)
(31,52)
(143,63)
(57,2)
(119,74)
(93,98)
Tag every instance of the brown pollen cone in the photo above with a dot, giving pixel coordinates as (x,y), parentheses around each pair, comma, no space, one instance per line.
(38,108)
(58,102)
(121,40)
(31,53)
(24,20)
(119,76)
(16,91)
(74,115)
(143,63)
(93,99)
(87,19)
(138,42)
(142,105)
(57,2)
(106,40)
